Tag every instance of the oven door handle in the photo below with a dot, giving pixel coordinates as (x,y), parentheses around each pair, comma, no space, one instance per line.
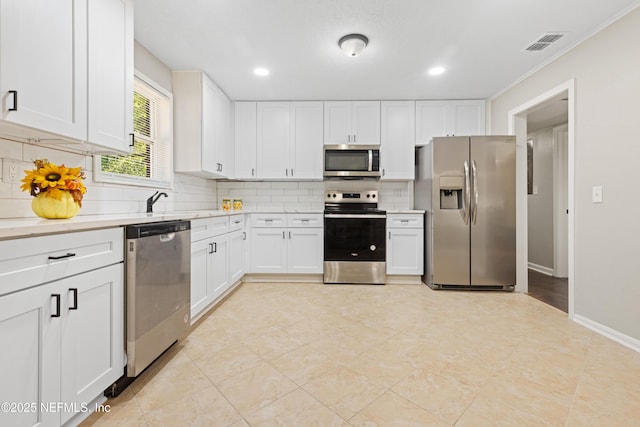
(356,216)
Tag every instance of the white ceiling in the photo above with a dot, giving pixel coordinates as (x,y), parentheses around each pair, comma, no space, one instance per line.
(480,42)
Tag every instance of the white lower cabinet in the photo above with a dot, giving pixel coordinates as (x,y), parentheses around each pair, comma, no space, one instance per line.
(287,243)
(66,337)
(405,244)
(216,259)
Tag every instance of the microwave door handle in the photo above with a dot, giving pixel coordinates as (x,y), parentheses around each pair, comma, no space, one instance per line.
(370,160)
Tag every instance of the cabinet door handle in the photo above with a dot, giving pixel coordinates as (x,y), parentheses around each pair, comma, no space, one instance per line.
(210,248)
(133,136)
(291,171)
(253,172)
(67,255)
(354,137)
(289,235)
(74,291)
(283,235)
(221,167)
(286,172)
(57,297)
(15,100)
(244,235)
(383,172)
(348,138)
(389,235)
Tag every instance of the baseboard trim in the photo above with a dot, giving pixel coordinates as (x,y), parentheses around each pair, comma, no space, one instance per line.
(619,337)
(284,278)
(541,269)
(400,279)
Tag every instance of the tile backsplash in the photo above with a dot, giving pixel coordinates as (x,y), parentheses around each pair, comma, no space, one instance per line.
(310,195)
(188,192)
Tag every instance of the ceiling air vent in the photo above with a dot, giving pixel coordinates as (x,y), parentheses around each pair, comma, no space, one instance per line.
(544,42)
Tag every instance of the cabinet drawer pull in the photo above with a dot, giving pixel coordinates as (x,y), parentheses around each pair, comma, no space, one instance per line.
(15,100)
(404,220)
(57,297)
(268,220)
(74,291)
(304,220)
(67,255)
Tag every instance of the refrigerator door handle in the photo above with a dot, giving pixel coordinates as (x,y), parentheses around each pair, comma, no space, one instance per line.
(466,200)
(474,210)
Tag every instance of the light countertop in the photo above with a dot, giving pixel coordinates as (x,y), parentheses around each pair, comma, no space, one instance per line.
(13,228)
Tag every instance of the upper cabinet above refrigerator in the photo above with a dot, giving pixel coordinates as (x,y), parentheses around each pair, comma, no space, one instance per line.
(449,118)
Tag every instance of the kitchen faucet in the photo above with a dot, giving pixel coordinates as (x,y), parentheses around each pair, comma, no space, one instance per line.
(151,200)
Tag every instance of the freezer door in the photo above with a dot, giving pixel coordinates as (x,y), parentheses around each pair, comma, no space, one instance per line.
(493,216)
(451,246)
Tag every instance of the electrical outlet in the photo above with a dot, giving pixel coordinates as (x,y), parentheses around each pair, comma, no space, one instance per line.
(10,170)
(596,194)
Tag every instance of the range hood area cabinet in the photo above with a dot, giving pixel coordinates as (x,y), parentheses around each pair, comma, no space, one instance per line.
(449,118)
(66,73)
(352,122)
(202,126)
(289,140)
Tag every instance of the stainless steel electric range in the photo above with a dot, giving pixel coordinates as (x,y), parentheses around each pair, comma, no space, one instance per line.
(354,238)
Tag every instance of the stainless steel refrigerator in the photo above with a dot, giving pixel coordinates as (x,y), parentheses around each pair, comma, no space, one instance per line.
(467,185)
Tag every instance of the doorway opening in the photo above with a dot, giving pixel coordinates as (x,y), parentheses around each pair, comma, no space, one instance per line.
(544,129)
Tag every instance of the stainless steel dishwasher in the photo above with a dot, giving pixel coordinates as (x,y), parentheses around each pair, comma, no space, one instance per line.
(158,269)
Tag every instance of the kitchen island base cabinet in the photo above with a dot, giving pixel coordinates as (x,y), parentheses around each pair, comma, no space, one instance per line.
(66,342)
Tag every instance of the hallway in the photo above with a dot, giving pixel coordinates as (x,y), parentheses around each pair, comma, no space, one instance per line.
(550,290)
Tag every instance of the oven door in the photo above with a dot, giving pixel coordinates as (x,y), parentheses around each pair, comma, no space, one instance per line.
(354,248)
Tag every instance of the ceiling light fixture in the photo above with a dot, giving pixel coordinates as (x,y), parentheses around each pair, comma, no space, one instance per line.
(353,44)
(262,72)
(436,71)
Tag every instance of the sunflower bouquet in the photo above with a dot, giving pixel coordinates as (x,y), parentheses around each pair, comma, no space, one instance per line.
(58,190)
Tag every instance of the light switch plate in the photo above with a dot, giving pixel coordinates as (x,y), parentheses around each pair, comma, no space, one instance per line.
(596,194)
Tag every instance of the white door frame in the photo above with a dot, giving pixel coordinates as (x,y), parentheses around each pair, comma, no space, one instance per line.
(517,121)
(560,190)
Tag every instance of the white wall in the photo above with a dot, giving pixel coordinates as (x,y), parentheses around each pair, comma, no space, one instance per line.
(605,69)
(540,205)
(188,193)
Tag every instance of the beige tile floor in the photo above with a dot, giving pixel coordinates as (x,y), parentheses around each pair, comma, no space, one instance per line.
(397,355)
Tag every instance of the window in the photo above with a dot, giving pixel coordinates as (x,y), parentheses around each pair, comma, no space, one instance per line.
(149,163)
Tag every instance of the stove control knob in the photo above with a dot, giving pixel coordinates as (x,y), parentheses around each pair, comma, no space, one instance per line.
(368,195)
(373,196)
(372,247)
(334,195)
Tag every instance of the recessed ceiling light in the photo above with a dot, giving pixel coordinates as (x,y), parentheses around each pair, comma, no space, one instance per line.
(436,71)
(261,72)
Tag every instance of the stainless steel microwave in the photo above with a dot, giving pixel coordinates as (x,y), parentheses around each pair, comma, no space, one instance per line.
(352,161)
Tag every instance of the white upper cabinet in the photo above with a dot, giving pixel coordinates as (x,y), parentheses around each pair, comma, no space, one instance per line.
(43,67)
(66,72)
(273,140)
(446,118)
(245,140)
(352,122)
(201,137)
(110,76)
(397,145)
(306,139)
(289,140)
